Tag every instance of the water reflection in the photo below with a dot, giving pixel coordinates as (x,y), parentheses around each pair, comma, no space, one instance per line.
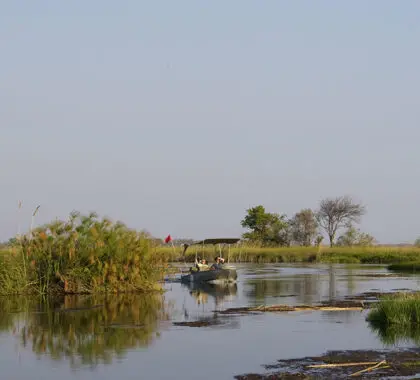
(86,330)
(305,285)
(220,292)
(304,288)
(396,334)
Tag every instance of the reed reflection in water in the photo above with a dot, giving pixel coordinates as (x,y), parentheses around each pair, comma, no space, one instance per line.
(86,330)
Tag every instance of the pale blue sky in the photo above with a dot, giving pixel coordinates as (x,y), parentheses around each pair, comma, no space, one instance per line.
(176,116)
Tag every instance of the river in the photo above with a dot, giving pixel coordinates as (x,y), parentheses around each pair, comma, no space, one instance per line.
(136,336)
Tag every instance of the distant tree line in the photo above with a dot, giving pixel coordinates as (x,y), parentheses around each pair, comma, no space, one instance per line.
(306,226)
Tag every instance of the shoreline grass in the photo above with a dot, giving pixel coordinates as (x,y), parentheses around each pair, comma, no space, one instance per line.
(339,255)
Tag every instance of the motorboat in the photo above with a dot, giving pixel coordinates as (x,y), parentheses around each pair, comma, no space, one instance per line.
(222,273)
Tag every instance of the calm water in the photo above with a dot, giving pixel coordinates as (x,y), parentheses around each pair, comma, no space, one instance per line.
(133,337)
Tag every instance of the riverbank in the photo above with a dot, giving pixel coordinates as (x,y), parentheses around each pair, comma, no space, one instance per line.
(338,255)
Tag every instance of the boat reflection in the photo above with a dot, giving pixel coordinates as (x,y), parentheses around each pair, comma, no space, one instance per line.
(202,293)
(220,292)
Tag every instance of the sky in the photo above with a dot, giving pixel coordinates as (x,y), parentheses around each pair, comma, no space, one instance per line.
(177,116)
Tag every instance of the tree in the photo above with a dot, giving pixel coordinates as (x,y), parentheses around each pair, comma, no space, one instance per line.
(318,240)
(258,221)
(266,228)
(304,227)
(335,213)
(278,233)
(417,242)
(349,238)
(353,236)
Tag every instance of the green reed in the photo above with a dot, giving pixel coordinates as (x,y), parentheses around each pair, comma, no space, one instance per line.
(396,318)
(81,255)
(396,310)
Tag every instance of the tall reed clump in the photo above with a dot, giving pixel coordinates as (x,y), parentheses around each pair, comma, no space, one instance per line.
(13,278)
(83,255)
(396,310)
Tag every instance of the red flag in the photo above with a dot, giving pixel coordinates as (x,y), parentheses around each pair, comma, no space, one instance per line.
(168,239)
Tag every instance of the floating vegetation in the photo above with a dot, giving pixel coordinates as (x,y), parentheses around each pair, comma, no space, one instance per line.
(327,306)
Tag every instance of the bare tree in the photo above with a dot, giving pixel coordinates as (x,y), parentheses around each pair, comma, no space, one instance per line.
(335,213)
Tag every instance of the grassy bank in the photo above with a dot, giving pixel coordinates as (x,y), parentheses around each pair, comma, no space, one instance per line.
(405,267)
(81,255)
(362,255)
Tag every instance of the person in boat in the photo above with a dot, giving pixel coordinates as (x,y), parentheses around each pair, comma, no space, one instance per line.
(204,265)
(200,265)
(217,263)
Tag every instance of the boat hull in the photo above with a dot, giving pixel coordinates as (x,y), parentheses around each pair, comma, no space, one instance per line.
(211,276)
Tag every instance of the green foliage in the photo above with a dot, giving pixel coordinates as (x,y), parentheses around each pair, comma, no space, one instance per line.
(81,255)
(354,237)
(267,229)
(304,227)
(258,221)
(417,242)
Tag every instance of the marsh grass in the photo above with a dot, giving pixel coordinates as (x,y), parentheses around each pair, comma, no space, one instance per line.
(81,255)
(397,309)
(397,318)
(342,255)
